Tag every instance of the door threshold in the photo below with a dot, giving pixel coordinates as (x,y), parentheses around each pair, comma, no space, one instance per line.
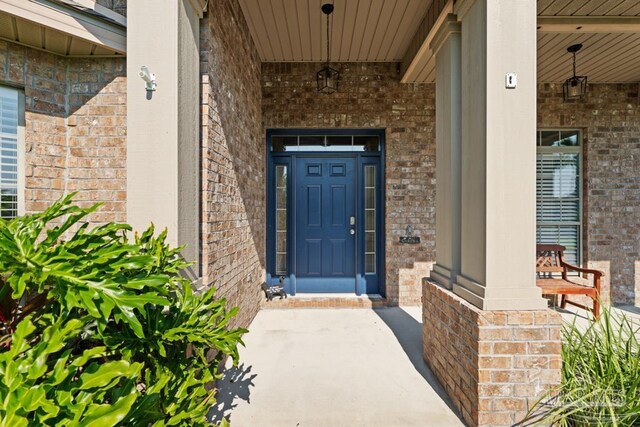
(336,295)
(307,300)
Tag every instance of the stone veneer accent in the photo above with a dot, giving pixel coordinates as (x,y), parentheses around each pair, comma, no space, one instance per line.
(492,364)
(610,120)
(371,96)
(233,160)
(75,128)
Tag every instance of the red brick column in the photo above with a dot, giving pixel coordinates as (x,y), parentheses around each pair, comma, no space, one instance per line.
(493,364)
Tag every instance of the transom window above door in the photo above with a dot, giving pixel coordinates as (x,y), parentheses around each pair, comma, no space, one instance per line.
(325,143)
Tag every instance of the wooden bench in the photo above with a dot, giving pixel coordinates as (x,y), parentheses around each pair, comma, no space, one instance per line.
(550,262)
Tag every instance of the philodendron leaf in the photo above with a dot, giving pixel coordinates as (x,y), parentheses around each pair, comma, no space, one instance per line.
(88,354)
(18,343)
(36,398)
(11,419)
(101,375)
(109,415)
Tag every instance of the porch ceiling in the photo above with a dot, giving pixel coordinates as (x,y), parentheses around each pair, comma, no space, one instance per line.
(363,30)
(609,31)
(385,31)
(589,7)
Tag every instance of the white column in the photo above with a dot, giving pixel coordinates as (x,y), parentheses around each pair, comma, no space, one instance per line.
(446,48)
(163,125)
(498,155)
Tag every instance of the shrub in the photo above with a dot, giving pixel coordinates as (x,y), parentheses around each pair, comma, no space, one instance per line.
(600,375)
(99,330)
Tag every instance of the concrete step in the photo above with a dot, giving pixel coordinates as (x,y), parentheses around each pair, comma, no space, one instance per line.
(325,301)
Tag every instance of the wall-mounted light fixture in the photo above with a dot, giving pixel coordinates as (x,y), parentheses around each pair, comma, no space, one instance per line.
(574,87)
(149,78)
(328,77)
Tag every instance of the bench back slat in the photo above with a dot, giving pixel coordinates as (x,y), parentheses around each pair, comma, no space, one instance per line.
(549,259)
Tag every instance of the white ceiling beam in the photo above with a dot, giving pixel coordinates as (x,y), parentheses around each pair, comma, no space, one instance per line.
(69,21)
(588,24)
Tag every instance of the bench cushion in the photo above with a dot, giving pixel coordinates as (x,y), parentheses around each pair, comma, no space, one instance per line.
(561,286)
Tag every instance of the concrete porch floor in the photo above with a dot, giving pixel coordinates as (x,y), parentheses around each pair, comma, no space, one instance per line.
(333,367)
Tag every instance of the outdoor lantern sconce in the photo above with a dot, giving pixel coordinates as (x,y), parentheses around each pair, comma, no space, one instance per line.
(328,77)
(574,87)
(149,78)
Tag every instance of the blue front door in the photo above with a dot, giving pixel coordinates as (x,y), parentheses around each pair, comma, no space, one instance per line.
(325,215)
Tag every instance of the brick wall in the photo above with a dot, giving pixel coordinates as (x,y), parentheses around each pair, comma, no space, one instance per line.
(610,119)
(493,364)
(371,96)
(75,128)
(233,160)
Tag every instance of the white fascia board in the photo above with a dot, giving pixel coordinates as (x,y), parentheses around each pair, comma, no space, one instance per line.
(68,21)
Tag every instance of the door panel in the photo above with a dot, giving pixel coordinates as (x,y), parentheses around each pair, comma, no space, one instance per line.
(325,247)
(338,205)
(313,249)
(314,205)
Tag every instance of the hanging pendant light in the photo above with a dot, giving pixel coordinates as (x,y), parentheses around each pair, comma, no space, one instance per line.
(328,77)
(574,87)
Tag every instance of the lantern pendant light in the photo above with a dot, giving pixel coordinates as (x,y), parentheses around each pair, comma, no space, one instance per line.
(328,77)
(574,87)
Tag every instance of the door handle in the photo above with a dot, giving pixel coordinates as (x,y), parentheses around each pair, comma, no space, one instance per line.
(352,220)
(352,231)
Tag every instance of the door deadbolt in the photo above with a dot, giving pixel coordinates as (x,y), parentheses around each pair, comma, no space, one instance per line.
(352,231)
(352,220)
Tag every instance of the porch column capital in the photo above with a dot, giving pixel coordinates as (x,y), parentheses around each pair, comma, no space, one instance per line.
(461,7)
(449,27)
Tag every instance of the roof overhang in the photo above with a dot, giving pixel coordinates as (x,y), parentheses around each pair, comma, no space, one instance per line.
(73,28)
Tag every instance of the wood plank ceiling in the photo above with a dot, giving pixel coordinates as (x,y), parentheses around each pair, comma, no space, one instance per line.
(381,30)
(363,30)
(605,57)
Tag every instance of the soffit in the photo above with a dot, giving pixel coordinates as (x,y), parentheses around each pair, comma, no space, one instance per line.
(607,56)
(604,58)
(363,30)
(588,7)
(62,27)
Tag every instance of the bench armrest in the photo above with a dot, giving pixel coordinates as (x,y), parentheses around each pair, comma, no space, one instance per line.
(596,273)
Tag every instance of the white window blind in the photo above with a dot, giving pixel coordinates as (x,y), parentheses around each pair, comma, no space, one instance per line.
(11,113)
(559,190)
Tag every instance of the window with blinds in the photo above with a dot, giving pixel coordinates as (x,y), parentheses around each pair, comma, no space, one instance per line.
(11,120)
(559,190)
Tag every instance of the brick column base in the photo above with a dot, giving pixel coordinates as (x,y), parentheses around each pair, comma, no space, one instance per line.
(493,364)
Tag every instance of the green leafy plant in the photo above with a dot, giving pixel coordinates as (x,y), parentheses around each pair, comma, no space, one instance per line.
(600,376)
(100,330)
